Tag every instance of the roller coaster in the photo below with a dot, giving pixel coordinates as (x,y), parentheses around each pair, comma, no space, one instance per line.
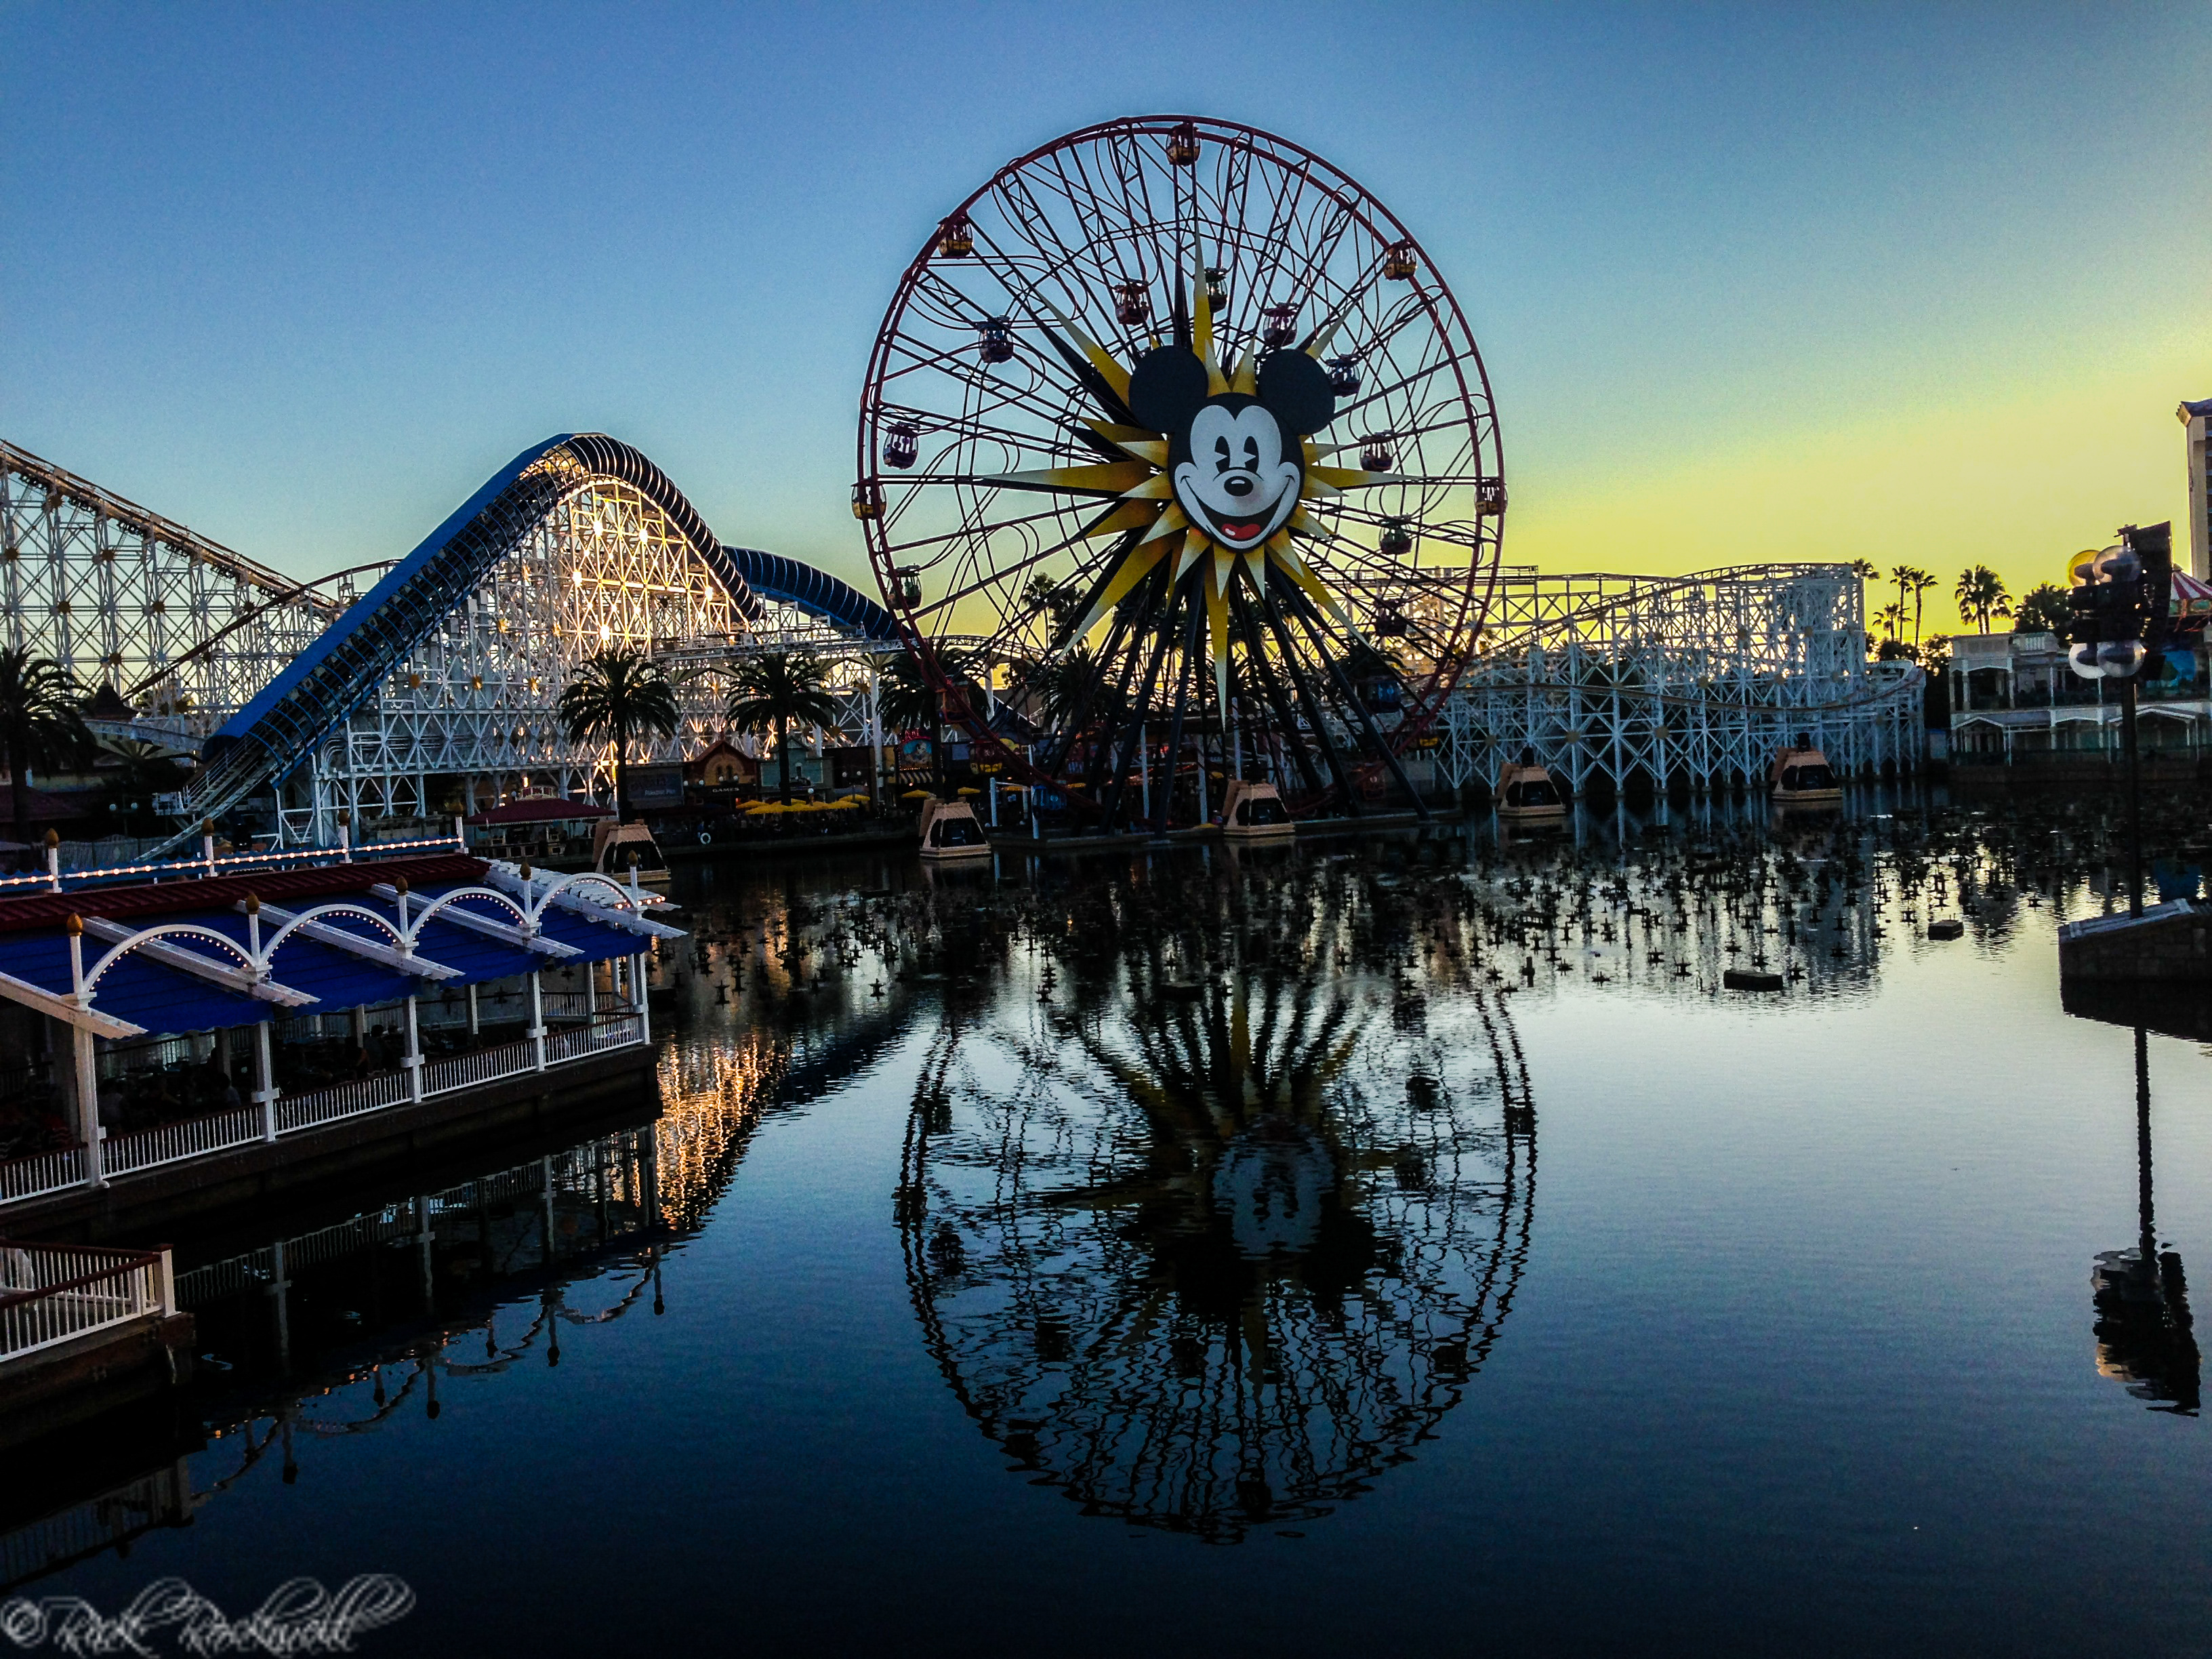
(303,702)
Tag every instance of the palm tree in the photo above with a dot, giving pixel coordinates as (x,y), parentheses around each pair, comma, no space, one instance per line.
(1981,595)
(39,723)
(1921,582)
(768,692)
(905,698)
(1902,575)
(1892,617)
(2046,610)
(146,770)
(618,694)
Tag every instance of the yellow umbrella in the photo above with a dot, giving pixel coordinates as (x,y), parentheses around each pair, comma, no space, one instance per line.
(915,794)
(965,790)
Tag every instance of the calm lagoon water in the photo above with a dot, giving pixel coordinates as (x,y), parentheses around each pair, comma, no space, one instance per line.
(1406,1245)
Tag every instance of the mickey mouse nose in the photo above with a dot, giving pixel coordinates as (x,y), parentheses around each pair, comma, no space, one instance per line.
(1237,484)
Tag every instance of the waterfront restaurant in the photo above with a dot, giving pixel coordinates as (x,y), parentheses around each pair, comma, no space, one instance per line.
(174,1030)
(2014,702)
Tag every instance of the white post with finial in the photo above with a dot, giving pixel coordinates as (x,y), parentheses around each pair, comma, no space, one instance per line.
(207,843)
(85,1061)
(264,1078)
(537,1032)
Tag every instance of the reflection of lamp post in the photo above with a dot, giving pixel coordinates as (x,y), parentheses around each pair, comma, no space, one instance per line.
(2143,1328)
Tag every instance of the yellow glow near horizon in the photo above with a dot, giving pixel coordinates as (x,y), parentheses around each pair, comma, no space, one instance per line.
(2020,483)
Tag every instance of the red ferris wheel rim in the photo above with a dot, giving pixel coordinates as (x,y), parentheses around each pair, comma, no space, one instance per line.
(1469,593)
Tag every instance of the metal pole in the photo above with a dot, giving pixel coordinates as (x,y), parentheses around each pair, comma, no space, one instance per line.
(2150,1245)
(87,1105)
(536,1033)
(2134,796)
(875,744)
(264,1081)
(413,1061)
(1144,774)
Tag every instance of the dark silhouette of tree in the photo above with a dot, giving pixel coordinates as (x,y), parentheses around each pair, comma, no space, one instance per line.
(619,694)
(768,692)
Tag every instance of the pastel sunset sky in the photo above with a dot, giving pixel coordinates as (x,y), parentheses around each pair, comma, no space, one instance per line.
(1917,283)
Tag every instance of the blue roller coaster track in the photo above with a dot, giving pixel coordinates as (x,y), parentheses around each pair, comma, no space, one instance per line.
(319,689)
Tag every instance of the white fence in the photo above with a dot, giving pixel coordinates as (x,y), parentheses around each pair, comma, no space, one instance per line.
(43,1173)
(50,1293)
(318,1106)
(173,1143)
(162,1498)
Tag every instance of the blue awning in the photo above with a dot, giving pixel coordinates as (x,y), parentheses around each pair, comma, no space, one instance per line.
(166,999)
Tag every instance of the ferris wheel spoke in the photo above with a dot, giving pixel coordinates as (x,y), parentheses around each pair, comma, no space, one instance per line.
(1090,257)
(965,428)
(1008,573)
(967,531)
(960,370)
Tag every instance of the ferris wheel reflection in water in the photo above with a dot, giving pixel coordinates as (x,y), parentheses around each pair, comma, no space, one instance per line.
(1212,1257)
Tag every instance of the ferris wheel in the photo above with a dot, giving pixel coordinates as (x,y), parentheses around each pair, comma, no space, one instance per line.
(1177,462)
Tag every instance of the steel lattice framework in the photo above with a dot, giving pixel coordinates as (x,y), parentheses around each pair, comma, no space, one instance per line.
(603,565)
(1691,680)
(307,703)
(182,628)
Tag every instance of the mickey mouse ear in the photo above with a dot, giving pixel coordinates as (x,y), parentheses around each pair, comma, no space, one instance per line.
(1166,387)
(1295,389)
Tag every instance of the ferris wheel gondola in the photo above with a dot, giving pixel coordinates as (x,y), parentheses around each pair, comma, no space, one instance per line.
(1178,463)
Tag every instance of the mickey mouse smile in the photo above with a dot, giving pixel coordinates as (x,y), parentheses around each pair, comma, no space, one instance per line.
(1235,458)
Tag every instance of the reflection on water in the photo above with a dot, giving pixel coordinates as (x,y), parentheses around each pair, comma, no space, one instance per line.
(2145,1336)
(1204,1184)
(1217,1244)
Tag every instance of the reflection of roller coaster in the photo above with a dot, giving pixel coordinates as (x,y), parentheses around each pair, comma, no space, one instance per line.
(1690,680)
(1212,1260)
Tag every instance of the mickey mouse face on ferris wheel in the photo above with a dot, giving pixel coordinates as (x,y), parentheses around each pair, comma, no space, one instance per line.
(1237,458)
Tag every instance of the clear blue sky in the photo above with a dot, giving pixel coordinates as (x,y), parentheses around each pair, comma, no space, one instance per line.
(1923,282)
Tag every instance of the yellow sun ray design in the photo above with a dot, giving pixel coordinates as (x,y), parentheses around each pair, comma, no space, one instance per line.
(1146,492)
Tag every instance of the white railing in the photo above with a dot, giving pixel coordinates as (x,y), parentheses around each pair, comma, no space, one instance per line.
(173,1143)
(442,1077)
(318,1106)
(109,1522)
(41,1173)
(51,1293)
(617,1032)
(229,864)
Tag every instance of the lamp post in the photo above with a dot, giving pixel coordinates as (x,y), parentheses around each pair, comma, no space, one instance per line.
(2119,602)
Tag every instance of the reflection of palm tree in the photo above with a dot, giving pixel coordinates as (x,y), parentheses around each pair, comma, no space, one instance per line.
(1214,1260)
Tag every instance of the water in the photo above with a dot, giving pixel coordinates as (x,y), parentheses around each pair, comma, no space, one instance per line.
(1266,1252)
